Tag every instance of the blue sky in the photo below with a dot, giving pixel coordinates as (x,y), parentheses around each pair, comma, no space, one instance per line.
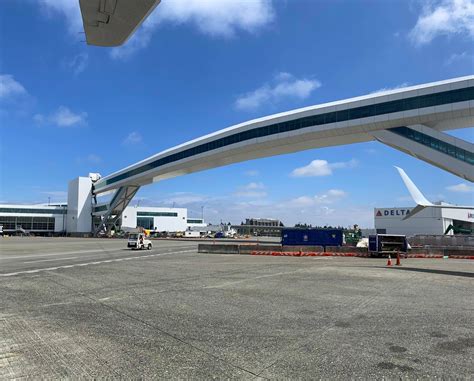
(197,66)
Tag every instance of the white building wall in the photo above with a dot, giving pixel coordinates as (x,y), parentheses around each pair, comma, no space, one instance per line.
(79,201)
(162,223)
(129,217)
(428,221)
(60,223)
(466,215)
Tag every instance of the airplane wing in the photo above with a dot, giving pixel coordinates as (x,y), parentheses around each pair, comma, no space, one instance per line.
(112,22)
(414,191)
(420,199)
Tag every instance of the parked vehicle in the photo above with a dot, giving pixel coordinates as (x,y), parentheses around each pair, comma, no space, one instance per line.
(192,234)
(387,244)
(139,241)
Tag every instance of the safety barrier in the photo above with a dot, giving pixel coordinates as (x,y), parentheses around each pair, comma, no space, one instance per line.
(307,254)
(322,254)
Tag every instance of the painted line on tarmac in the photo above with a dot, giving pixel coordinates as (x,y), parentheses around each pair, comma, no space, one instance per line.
(93,263)
(98,250)
(55,254)
(49,260)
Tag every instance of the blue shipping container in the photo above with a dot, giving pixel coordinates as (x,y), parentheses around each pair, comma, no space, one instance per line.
(312,237)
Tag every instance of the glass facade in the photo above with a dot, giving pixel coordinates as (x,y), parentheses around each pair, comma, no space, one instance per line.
(33,210)
(196,221)
(436,144)
(27,223)
(145,222)
(429,100)
(157,214)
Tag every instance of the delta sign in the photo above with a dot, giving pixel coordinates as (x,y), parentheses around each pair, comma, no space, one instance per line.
(390,213)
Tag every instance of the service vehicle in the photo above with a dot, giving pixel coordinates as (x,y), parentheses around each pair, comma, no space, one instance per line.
(139,241)
(387,244)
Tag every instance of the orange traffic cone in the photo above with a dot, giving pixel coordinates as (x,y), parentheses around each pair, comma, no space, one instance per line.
(399,263)
(389,262)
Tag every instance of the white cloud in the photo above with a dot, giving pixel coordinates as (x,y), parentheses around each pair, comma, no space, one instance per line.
(322,168)
(184,198)
(462,188)
(132,138)
(67,9)
(301,201)
(283,86)
(216,18)
(396,87)
(55,193)
(447,17)
(324,208)
(9,87)
(329,197)
(252,173)
(62,117)
(78,64)
(93,158)
(457,57)
(253,189)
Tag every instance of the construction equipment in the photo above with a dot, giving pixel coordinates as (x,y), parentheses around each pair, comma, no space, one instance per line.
(457,230)
(352,236)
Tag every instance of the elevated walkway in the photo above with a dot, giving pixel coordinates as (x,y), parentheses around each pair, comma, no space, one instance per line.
(441,106)
(437,148)
(409,119)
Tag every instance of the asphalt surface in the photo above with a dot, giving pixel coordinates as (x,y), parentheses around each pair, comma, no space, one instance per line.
(89,308)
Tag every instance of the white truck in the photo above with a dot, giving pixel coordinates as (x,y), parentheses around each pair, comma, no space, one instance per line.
(139,241)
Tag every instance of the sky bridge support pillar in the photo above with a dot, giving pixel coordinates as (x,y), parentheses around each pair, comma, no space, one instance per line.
(115,208)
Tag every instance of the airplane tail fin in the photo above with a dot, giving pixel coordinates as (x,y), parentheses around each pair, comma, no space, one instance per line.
(421,201)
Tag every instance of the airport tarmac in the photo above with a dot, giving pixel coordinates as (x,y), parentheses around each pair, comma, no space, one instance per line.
(74,308)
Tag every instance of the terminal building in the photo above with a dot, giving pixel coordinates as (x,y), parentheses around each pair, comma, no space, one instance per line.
(40,219)
(430,221)
(44,219)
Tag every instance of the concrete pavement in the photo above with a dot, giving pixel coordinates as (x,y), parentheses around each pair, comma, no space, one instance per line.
(177,314)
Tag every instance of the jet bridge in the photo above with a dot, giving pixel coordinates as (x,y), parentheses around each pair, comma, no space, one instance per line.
(410,119)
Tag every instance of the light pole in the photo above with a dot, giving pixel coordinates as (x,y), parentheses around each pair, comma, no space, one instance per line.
(202,213)
(49,200)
